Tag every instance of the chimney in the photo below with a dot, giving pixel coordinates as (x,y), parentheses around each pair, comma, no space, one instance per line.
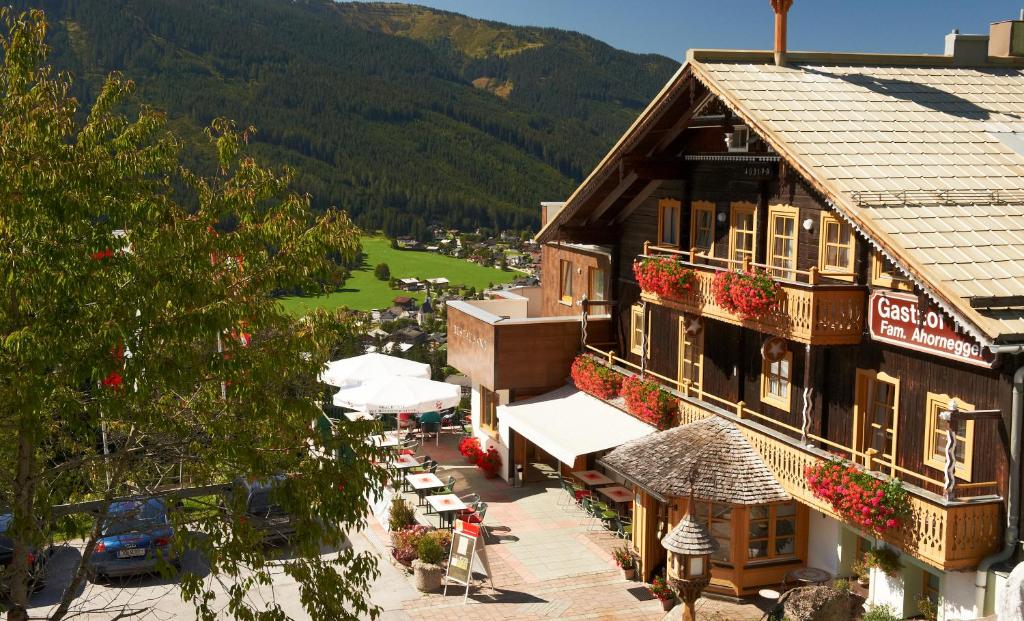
(967,50)
(781,8)
(1006,39)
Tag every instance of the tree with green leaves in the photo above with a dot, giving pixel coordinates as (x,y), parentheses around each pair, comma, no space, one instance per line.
(136,313)
(382,272)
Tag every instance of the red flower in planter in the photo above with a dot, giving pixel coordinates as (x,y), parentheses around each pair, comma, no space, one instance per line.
(649,402)
(113,380)
(470,449)
(664,276)
(594,378)
(858,497)
(490,462)
(750,295)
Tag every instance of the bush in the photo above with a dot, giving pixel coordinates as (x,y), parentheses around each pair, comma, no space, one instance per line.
(879,613)
(402,514)
(430,551)
(884,559)
(406,541)
(382,272)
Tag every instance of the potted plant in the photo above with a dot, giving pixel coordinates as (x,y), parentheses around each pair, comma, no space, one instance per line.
(664,276)
(883,559)
(751,295)
(490,463)
(858,497)
(594,378)
(470,449)
(624,559)
(647,401)
(659,588)
(401,515)
(861,572)
(427,568)
(405,543)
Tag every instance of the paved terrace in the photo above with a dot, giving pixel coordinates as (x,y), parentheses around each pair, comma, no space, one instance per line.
(546,563)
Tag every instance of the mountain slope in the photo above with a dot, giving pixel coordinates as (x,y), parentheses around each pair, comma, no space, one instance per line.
(403,115)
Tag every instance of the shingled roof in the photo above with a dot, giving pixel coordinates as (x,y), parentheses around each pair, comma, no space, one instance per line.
(724,466)
(689,538)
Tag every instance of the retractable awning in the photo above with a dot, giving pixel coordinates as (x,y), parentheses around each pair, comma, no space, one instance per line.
(567,423)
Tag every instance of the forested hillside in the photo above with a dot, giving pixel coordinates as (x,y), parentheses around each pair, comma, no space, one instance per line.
(403,115)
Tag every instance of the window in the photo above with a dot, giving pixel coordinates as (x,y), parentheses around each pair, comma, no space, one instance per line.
(877,414)
(931,586)
(702,226)
(636,333)
(741,233)
(782,245)
(717,519)
(488,409)
(883,274)
(565,284)
(771,531)
(668,222)
(935,438)
(835,248)
(739,140)
(776,380)
(691,357)
(597,284)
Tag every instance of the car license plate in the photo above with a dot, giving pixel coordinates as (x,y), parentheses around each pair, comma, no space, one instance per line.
(131,552)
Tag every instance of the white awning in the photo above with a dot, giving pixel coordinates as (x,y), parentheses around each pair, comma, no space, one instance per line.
(567,423)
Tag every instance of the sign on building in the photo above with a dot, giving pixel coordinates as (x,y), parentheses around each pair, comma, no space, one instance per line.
(898,318)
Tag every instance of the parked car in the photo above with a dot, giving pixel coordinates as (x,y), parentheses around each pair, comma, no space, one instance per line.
(37,559)
(261,512)
(135,538)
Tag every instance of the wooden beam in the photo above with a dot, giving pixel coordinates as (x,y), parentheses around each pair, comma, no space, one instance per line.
(638,199)
(997,301)
(661,168)
(611,197)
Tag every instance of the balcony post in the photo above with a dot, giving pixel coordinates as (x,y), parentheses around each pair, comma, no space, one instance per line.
(746,263)
(869,459)
(611,357)
(813,277)
(647,248)
(693,254)
(949,472)
(739,410)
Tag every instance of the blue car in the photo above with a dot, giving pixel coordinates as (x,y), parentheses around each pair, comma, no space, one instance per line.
(136,537)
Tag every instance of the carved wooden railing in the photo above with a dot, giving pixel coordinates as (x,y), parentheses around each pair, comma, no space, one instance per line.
(809,312)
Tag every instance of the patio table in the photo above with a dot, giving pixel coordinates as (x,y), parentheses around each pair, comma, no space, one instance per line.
(616,493)
(423,481)
(404,462)
(446,505)
(592,477)
(384,440)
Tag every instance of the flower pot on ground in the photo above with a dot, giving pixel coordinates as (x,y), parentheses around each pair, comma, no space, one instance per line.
(490,463)
(624,559)
(668,604)
(861,572)
(427,569)
(659,588)
(594,378)
(470,449)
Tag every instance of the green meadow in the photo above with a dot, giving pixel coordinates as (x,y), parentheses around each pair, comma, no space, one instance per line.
(364,292)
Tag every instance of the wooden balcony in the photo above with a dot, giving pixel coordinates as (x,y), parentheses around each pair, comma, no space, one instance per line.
(948,535)
(811,311)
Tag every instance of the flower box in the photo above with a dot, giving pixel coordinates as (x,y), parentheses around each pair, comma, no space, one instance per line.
(664,276)
(867,502)
(594,378)
(751,295)
(649,402)
(470,449)
(490,463)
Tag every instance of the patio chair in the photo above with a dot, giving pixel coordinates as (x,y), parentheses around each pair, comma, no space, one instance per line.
(470,510)
(449,487)
(470,499)
(625,528)
(407,446)
(423,467)
(569,495)
(609,518)
(477,517)
(595,511)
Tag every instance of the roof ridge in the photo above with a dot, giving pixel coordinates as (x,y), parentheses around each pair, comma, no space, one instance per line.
(873,58)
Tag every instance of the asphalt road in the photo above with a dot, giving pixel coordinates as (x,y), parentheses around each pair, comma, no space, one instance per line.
(153,598)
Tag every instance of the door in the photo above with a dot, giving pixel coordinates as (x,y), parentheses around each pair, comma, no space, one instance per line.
(876,418)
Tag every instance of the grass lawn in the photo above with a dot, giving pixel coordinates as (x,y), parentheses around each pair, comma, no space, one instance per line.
(364,292)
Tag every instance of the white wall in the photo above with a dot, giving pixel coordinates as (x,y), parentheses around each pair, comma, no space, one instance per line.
(957,596)
(500,441)
(824,543)
(886,590)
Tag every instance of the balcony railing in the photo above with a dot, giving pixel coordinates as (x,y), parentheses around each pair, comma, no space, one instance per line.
(947,534)
(811,311)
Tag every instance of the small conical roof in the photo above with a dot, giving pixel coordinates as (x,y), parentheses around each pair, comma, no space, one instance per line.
(689,538)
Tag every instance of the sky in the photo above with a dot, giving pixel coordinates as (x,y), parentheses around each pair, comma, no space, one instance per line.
(670,27)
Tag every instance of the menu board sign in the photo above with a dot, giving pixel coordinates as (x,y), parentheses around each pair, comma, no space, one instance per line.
(461,562)
(897,318)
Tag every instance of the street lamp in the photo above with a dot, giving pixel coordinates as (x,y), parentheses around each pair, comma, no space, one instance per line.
(689,547)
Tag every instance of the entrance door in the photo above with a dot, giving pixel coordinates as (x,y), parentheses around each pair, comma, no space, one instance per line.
(876,418)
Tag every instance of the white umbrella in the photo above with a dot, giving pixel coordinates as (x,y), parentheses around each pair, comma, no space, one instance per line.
(359,369)
(399,394)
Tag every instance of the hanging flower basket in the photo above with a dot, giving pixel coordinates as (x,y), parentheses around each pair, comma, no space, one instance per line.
(664,276)
(751,295)
(870,503)
(649,402)
(594,378)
